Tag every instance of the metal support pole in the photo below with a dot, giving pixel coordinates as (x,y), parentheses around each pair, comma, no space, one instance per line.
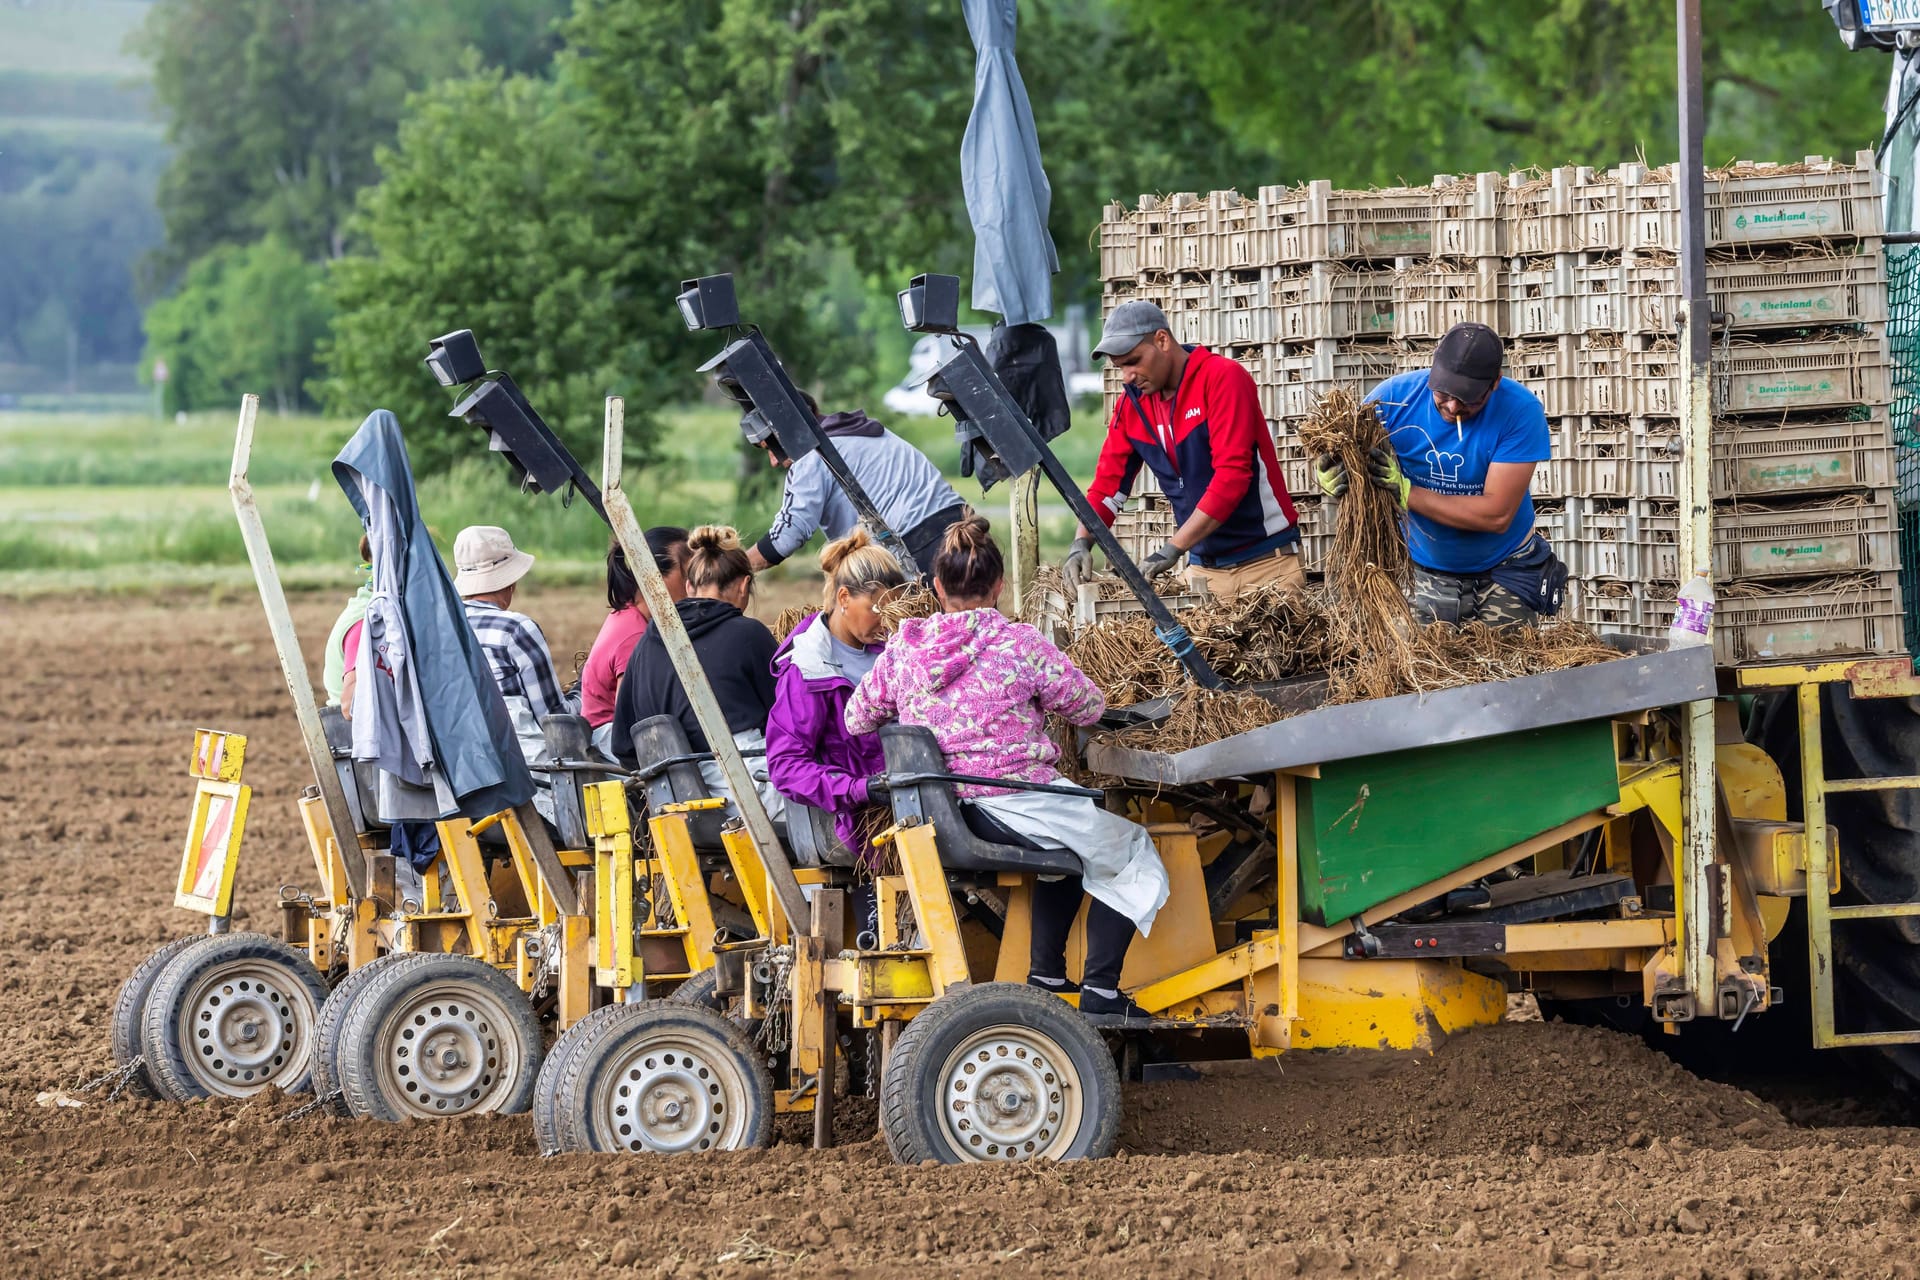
(1696,514)
(286,644)
(1023,511)
(693,677)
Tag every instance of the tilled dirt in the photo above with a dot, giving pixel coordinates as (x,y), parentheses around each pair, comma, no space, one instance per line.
(1527,1149)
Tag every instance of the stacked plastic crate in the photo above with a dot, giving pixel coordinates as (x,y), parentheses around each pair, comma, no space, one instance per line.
(1805,552)
(1312,288)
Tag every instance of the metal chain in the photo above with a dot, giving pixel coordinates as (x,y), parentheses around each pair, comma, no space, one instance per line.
(775,1029)
(119,1077)
(306,1109)
(543,972)
(873,1061)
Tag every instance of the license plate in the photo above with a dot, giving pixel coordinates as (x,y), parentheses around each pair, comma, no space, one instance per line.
(1890,15)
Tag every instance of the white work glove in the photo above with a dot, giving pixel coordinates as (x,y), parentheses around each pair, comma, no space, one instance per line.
(1077,569)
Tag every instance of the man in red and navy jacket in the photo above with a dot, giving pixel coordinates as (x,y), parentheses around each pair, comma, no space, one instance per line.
(1193,419)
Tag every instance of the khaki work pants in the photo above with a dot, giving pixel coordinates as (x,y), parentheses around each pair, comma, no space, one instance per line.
(1283,567)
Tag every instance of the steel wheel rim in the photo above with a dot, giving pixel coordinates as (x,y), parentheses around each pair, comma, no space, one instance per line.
(670,1093)
(246,1024)
(447,1051)
(1009,1093)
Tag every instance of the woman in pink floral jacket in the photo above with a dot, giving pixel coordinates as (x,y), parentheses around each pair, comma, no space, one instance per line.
(985,686)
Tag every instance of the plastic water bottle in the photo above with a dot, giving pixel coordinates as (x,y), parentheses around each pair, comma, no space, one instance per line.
(1692,612)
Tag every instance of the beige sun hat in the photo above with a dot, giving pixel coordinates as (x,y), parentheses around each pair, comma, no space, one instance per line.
(487,560)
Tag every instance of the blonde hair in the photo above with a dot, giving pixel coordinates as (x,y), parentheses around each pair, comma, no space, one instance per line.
(715,558)
(861,565)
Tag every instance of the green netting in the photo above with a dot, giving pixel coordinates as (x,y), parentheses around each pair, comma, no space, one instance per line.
(1903,341)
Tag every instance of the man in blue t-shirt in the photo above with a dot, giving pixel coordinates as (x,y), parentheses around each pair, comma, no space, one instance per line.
(1464,443)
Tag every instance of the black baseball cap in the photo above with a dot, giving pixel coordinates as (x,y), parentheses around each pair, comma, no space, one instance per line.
(1466,364)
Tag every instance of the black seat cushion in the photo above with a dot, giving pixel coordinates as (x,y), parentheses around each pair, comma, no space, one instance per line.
(988,827)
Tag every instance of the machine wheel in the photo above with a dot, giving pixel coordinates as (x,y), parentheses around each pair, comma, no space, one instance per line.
(230,1015)
(664,1076)
(131,1003)
(433,1035)
(326,1036)
(999,1072)
(547,1119)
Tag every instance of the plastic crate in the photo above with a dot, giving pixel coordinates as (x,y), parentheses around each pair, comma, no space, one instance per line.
(1605,605)
(1767,293)
(1575,377)
(1550,518)
(1296,468)
(1316,532)
(1144,525)
(1327,300)
(1429,298)
(1653,381)
(1567,211)
(1765,458)
(1470,217)
(1298,374)
(1807,621)
(1192,309)
(1837,536)
(1245,315)
(1573,293)
(1089,610)
(1315,223)
(1237,224)
(1790,377)
(1173,234)
(1756,204)
(1119,243)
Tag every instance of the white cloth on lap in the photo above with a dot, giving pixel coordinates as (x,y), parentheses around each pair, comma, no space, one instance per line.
(770,798)
(1119,865)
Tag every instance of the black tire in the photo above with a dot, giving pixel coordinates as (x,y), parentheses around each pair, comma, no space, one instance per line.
(230,1015)
(547,1118)
(698,990)
(458,1006)
(664,1076)
(326,1037)
(1000,1036)
(128,1007)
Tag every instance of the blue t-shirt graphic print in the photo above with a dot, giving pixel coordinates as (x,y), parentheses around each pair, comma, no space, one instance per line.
(1448,458)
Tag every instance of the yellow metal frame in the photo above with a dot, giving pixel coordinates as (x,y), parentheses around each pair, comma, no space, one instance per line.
(1866,678)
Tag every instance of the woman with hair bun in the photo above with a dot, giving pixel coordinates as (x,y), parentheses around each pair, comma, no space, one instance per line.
(985,685)
(735,651)
(811,756)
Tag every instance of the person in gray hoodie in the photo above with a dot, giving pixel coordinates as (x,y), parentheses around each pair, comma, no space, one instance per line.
(909,492)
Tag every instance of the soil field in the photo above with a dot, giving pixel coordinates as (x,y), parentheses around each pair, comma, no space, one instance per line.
(1528,1149)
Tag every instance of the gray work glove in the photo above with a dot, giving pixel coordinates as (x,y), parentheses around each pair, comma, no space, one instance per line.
(1077,569)
(1160,561)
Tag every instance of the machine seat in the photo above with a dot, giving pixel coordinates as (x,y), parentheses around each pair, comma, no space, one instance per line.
(357,778)
(660,738)
(569,741)
(969,838)
(809,834)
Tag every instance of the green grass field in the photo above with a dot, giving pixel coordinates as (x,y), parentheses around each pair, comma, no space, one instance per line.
(116,502)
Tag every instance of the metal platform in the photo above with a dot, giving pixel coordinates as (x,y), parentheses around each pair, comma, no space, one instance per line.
(1634,682)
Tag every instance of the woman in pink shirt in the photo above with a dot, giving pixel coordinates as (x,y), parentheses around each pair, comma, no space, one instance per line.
(626,623)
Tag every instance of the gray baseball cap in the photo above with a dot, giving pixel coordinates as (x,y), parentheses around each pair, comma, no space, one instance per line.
(1128,325)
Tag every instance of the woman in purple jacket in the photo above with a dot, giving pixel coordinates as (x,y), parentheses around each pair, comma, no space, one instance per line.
(812,758)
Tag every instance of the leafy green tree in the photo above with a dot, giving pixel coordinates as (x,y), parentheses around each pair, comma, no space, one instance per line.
(492,217)
(244,319)
(1379,91)
(274,107)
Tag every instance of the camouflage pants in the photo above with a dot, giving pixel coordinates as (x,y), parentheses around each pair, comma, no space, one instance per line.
(1461,598)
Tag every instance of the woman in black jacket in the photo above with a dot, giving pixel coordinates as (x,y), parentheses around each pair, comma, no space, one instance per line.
(735,651)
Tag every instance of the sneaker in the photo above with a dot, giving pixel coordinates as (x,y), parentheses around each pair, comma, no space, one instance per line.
(1058,987)
(1112,1011)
